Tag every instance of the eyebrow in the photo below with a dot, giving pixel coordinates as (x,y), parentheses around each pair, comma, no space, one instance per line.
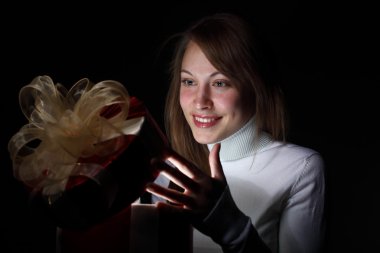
(212,75)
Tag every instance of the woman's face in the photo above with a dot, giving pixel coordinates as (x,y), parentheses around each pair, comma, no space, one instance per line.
(210,102)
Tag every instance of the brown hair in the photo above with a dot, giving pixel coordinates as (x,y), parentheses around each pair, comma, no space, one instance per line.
(227,42)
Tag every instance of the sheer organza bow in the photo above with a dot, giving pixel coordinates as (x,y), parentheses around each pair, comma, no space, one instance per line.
(67,127)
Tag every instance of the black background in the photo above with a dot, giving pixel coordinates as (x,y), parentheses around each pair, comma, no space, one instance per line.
(326,53)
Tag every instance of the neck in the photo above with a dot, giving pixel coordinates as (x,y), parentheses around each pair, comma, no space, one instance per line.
(243,143)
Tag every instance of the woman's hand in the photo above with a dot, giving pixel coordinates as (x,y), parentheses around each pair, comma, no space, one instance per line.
(198,192)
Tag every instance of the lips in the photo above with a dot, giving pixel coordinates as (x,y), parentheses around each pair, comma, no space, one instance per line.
(205,122)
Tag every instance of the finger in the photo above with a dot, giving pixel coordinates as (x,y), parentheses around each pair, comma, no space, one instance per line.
(183,165)
(174,211)
(215,165)
(181,180)
(169,194)
(171,209)
(175,175)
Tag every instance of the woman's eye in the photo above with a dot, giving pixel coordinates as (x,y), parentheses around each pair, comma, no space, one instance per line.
(220,84)
(187,82)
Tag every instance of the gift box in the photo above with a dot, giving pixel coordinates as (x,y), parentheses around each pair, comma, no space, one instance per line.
(85,153)
(140,228)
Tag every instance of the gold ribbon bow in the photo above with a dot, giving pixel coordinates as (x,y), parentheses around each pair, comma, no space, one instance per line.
(64,127)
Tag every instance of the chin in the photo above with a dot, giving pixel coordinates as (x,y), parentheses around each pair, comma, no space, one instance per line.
(204,140)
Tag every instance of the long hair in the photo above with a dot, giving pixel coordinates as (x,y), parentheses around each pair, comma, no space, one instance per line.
(227,41)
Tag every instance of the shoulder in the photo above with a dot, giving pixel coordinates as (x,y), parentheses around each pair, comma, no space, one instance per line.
(292,151)
(295,159)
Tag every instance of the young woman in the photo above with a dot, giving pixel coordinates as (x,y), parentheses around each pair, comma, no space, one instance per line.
(244,187)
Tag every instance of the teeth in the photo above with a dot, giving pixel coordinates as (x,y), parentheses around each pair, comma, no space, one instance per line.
(204,120)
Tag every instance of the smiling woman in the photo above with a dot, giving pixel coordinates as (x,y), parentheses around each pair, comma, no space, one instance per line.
(327,56)
(231,170)
(204,87)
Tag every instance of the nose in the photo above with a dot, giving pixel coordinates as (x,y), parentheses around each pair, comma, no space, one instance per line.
(202,98)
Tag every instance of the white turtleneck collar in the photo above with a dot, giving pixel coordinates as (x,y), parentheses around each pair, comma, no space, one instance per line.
(242,143)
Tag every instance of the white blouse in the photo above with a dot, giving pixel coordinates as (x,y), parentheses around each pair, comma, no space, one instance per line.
(280,186)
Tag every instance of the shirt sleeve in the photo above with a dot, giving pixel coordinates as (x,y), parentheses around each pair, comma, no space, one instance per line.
(302,224)
(230,228)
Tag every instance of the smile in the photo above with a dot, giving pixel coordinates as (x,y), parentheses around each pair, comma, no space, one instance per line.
(205,122)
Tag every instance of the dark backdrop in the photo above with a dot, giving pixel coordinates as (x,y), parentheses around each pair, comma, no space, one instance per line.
(327,58)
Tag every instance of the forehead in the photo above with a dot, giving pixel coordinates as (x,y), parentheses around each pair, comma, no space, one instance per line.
(195,60)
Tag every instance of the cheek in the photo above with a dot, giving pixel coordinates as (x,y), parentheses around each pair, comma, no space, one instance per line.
(184,98)
(229,102)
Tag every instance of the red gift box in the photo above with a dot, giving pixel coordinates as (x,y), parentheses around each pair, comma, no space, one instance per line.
(140,228)
(94,151)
